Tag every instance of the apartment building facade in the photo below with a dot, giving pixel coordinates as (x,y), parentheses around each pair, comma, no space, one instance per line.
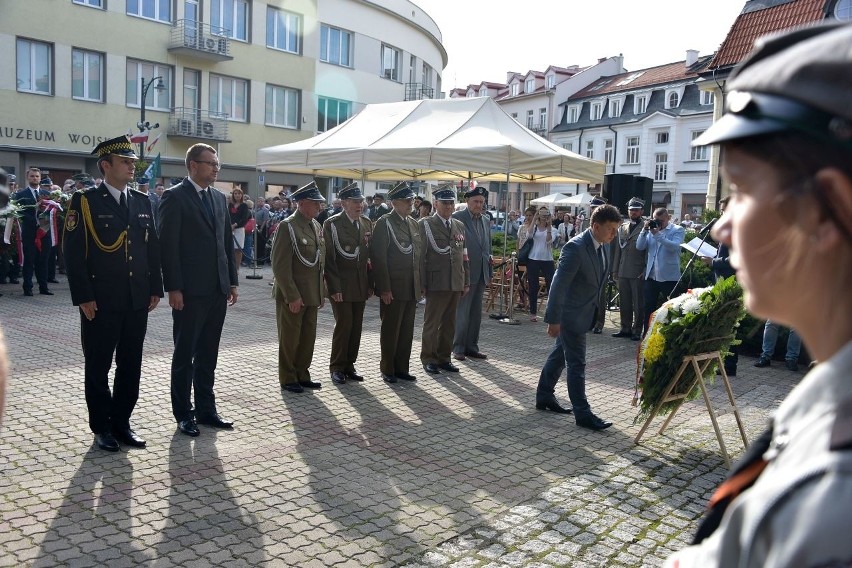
(235,74)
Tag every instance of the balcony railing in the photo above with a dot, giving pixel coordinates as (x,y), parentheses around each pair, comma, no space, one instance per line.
(541,130)
(418,91)
(204,41)
(198,124)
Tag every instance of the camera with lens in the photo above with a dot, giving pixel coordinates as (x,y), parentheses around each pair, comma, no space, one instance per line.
(653,224)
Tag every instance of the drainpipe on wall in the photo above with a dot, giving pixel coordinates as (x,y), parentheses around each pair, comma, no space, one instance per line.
(614,147)
(579,149)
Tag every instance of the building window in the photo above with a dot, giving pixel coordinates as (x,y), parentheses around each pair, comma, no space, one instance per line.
(590,149)
(596,111)
(427,75)
(160,10)
(663,137)
(331,112)
(390,62)
(661,167)
(614,108)
(568,146)
(530,86)
(35,67)
(707,97)
(542,118)
(516,88)
(335,46)
(843,10)
(572,114)
(283,30)
(92,3)
(515,115)
(674,99)
(632,150)
(483,92)
(282,107)
(641,104)
(229,96)
(608,151)
(87,75)
(530,119)
(551,81)
(697,152)
(139,71)
(233,16)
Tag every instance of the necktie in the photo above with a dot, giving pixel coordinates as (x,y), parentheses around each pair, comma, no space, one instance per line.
(357,225)
(602,258)
(205,198)
(448,224)
(122,201)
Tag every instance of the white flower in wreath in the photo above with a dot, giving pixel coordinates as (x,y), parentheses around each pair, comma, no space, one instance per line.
(691,305)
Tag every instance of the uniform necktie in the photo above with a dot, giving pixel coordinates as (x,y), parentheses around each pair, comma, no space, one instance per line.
(357,225)
(448,223)
(122,201)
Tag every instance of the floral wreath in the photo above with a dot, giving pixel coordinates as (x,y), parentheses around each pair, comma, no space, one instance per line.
(701,320)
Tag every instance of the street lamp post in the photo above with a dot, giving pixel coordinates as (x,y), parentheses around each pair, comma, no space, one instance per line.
(144,125)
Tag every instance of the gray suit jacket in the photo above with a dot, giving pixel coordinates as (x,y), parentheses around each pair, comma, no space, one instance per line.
(478,248)
(574,293)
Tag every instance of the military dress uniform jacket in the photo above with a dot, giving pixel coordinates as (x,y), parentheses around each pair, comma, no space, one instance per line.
(478,243)
(444,267)
(628,261)
(395,270)
(347,255)
(299,265)
(108,250)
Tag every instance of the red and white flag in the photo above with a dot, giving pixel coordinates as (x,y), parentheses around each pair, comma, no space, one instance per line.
(153,143)
(140,137)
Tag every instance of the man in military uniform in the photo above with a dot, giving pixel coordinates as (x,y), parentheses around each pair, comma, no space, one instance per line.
(349,281)
(395,254)
(113,267)
(628,270)
(298,259)
(445,277)
(477,238)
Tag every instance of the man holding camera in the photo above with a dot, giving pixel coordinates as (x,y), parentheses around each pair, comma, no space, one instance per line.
(662,240)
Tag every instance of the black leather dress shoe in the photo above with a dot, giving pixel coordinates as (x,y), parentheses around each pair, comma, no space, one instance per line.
(388,378)
(128,437)
(459,356)
(553,406)
(597,331)
(448,367)
(45,292)
(310,384)
(354,376)
(292,387)
(189,428)
(476,354)
(431,368)
(636,336)
(28,292)
(406,377)
(622,334)
(215,421)
(106,442)
(592,422)
(338,377)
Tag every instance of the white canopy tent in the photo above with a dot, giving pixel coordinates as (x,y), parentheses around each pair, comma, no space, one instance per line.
(551,199)
(471,138)
(578,200)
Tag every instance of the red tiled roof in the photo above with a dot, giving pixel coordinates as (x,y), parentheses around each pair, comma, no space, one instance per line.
(753,24)
(668,73)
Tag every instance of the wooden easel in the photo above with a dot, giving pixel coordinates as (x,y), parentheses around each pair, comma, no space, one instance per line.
(699,363)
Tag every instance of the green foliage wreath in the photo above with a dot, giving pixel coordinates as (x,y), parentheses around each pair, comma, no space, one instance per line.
(700,321)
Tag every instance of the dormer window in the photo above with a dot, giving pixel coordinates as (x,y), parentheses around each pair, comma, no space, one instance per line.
(530,86)
(597,109)
(551,81)
(706,97)
(843,10)
(516,88)
(573,113)
(641,104)
(483,92)
(674,100)
(674,96)
(615,106)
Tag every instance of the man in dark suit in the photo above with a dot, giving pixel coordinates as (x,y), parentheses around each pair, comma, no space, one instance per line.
(35,260)
(446,280)
(571,311)
(349,280)
(200,276)
(113,264)
(477,238)
(395,253)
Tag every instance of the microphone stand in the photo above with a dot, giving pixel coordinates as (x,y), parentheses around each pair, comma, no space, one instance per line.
(254,275)
(706,231)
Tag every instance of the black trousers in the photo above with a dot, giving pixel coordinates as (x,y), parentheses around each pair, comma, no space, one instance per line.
(119,333)
(197,329)
(35,262)
(655,293)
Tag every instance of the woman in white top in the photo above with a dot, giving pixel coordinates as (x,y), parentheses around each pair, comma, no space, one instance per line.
(540,262)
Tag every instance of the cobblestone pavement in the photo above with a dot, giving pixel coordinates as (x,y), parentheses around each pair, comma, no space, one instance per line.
(459,470)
